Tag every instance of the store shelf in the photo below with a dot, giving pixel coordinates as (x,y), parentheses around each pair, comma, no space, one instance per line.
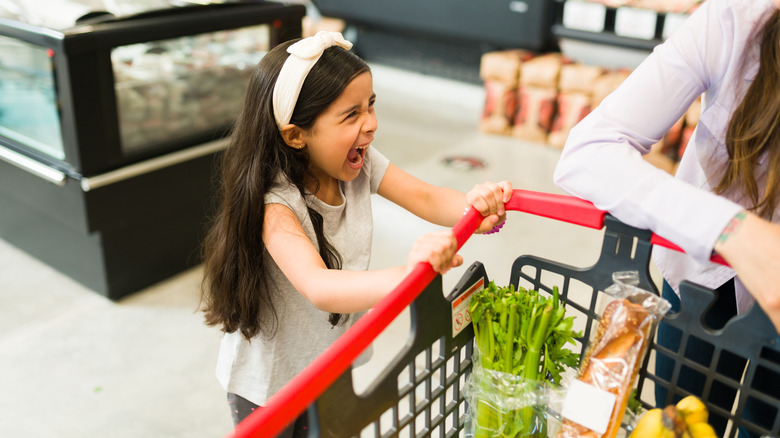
(613,28)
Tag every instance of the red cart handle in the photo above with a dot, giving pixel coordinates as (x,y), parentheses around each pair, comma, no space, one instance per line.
(576,211)
(300,392)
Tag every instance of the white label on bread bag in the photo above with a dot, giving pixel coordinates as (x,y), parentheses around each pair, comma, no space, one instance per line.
(588,406)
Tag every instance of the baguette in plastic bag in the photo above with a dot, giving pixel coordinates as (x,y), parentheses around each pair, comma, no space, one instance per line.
(610,366)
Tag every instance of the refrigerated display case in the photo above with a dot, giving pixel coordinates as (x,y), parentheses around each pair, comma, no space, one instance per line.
(112,113)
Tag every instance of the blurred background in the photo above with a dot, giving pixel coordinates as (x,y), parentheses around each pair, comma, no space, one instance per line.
(112,113)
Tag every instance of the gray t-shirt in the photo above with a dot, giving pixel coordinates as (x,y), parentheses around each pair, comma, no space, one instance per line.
(258,369)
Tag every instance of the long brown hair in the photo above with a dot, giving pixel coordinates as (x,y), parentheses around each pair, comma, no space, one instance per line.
(754,129)
(236,293)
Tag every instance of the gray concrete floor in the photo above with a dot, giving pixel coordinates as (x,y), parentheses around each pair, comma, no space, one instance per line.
(75,364)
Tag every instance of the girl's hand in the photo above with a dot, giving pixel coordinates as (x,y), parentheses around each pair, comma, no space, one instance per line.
(751,245)
(489,198)
(437,248)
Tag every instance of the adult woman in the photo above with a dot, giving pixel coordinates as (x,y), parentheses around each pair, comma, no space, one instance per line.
(726,193)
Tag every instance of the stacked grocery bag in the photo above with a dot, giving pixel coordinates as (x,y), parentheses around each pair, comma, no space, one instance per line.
(541,97)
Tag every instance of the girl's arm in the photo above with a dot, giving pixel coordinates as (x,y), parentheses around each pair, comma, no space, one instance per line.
(442,205)
(338,291)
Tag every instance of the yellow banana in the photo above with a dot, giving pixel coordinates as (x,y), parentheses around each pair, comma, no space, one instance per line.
(693,410)
(673,421)
(651,425)
(701,430)
(687,419)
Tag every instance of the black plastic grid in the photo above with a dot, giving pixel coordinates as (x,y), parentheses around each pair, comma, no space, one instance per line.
(419,395)
(748,343)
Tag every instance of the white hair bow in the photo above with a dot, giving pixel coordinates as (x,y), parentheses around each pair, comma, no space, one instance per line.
(303,55)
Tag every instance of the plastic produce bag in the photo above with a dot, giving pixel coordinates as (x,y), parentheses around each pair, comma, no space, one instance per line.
(505,405)
(521,338)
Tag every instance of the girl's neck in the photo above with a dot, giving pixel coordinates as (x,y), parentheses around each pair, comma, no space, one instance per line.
(329,191)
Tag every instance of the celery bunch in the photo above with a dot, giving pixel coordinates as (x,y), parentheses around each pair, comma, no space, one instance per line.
(523,333)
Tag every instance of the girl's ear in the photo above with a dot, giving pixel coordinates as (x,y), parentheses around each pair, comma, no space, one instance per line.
(294,136)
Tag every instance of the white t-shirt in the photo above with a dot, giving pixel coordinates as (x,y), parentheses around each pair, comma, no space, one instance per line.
(258,369)
(602,162)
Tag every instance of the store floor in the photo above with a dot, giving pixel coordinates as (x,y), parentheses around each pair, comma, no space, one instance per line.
(74,364)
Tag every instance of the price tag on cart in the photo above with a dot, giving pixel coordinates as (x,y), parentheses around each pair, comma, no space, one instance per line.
(461,317)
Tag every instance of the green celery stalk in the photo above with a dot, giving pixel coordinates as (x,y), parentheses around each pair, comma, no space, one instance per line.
(510,343)
(521,333)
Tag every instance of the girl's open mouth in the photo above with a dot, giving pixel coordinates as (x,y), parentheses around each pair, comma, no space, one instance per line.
(356,156)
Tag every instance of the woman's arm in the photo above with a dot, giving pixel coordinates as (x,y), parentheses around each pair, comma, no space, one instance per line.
(442,205)
(751,245)
(602,160)
(339,291)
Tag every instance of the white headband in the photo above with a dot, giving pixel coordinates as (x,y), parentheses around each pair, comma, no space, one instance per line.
(303,55)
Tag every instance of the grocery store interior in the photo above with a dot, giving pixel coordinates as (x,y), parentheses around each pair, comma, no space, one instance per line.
(100,332)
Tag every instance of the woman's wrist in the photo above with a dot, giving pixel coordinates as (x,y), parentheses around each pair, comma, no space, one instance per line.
(732,228)
(743,239)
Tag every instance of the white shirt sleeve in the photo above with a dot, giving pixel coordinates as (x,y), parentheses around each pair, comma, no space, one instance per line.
(602,160)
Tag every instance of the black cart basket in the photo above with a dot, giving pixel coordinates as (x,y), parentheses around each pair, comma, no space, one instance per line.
(420,393)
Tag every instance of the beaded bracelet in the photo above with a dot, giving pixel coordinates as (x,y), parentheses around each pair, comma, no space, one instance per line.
(493,230)
(497,228)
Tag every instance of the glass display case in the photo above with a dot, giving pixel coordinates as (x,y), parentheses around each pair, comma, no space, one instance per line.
(28,99)
(111,115)
(181,86)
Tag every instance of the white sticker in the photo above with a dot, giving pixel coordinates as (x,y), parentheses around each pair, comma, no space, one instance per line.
(461,317)
(585,16)
(588,406)
(672,22)
(636,23)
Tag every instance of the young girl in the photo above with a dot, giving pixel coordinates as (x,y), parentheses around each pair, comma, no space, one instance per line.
(726,193)
(285,263)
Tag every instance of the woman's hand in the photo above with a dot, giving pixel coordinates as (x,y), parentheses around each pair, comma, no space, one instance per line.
(437,248)
(489,199)
(751,245)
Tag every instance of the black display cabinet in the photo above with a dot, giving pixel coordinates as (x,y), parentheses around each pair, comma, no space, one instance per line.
(110,126)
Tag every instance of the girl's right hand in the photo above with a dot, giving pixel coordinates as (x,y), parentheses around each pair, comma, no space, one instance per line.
(489,199)
(437,248)
(751,245)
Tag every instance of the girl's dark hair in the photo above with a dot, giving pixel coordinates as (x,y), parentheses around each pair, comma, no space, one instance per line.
(236,293)
(754,129)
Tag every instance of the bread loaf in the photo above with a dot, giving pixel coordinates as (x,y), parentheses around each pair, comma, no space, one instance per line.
(612,361)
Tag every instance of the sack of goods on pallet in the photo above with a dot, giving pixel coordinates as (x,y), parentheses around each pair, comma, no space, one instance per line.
(500,72)
(575,99)
(537,97)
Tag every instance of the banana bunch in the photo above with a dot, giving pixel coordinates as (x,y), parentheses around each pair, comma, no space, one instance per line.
(687,419)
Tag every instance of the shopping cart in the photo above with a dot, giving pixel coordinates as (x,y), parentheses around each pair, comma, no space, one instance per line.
(420,393)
